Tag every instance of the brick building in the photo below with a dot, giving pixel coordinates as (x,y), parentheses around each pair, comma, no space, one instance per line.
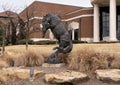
(98,23)
(4,15)
(78,20)
(5,22)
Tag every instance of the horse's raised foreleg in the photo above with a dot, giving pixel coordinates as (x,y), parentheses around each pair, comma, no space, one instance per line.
(56,48)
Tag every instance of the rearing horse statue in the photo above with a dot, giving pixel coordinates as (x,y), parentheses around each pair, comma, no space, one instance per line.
(54,23)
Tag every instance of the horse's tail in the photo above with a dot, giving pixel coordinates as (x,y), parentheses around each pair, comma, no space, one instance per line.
(68,48)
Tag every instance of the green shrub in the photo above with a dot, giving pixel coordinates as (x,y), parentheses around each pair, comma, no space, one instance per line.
(1,38)
(78,41)
(0,43)
(22,42)
(45,42)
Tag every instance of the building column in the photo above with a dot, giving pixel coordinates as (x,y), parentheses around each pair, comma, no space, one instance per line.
(73,34)
(96,23)
(113,20)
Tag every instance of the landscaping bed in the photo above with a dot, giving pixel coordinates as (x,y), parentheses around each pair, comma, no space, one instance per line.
(86,58)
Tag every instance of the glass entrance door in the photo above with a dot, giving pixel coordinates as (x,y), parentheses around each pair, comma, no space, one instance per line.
(104,23)
(118,23)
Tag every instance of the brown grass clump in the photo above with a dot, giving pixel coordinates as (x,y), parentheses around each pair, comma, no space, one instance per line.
(3,63)
(88,60)
(2,79)
(29,58)
(9,57)
(44,50)
(115,62)
(73,61)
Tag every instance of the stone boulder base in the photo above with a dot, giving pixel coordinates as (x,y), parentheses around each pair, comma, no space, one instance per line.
(16,72)
(65,77)
(112,75)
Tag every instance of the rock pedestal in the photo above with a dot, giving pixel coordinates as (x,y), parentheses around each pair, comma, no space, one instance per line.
(53,65)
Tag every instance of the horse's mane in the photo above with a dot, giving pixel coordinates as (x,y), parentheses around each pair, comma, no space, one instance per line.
(51,15)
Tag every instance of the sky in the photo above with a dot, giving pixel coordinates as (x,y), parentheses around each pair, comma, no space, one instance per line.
(19,5)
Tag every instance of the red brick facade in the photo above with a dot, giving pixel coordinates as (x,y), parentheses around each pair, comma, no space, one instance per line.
(70,14)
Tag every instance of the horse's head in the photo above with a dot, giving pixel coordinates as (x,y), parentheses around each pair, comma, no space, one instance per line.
(49,21)
(45,24)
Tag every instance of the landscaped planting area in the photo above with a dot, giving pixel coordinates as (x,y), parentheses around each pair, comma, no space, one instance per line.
(86,58)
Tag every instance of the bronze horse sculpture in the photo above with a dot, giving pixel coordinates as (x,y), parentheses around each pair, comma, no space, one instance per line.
(54,23)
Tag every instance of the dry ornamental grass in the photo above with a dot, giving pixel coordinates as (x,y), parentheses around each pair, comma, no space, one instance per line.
(29,58)
(84,57)
(90,60)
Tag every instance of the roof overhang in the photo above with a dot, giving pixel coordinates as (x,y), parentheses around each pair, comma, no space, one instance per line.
(103,2)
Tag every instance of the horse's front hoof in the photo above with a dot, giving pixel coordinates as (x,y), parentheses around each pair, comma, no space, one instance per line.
(55,48)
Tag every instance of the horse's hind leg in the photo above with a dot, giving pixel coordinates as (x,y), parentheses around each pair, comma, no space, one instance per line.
(53,58)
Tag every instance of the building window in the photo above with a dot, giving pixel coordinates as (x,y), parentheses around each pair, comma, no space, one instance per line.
(73,29)
(118,23)
(105,24)
(76,34)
